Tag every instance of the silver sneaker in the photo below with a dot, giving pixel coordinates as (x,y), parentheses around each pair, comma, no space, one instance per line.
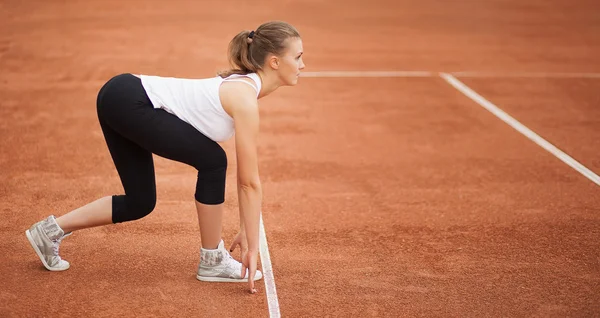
(218,266)
(45,238)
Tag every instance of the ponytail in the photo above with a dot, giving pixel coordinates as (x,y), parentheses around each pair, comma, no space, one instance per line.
(248,50)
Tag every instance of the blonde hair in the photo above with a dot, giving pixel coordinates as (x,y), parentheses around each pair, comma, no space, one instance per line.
(248,50)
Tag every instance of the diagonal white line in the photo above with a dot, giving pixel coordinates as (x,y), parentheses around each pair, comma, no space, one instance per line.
(265,259)
(521,128)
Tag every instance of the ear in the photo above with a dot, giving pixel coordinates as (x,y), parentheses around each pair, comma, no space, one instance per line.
(273,62)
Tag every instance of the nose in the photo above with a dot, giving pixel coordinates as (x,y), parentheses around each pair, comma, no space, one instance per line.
(301,65)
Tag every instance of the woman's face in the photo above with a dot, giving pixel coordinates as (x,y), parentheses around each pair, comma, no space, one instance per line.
(290,62)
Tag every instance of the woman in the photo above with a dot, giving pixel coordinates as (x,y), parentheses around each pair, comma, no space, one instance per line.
(182,120)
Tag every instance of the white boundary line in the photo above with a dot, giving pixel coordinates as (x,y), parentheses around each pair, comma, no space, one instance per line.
(525,75)
(521,128)
(265,259)
(342,74)
(369,74)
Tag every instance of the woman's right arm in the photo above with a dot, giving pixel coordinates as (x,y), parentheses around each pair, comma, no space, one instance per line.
(240,101)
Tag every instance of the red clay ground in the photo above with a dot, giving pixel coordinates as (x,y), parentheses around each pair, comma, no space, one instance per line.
(383,197)
(563,111)
(462,216)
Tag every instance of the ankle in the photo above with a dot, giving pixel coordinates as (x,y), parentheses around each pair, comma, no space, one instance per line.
(60,224)
(211,245)
(52,229)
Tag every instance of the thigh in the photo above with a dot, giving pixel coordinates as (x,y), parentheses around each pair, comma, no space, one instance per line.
(177,140)
(128,111)
(134,165)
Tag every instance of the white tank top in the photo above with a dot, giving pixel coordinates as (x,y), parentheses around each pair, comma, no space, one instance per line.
(196,101)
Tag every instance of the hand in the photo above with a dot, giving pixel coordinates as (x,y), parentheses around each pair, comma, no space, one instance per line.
(249,258)
(239,240)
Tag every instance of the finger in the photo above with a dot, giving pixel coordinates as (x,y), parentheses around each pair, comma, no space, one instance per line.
(234,245)
(252,272)
(251,280)
(244,262)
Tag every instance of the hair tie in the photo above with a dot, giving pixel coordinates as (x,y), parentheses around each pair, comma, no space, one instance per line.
(251,35)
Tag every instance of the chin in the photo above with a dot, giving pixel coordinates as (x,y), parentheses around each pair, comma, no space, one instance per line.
(293,81)
(289,80)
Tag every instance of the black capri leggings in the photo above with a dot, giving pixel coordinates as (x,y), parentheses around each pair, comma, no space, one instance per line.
(134,129)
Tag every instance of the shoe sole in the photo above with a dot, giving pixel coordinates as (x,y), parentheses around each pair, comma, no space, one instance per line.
(40,255)
(225,280)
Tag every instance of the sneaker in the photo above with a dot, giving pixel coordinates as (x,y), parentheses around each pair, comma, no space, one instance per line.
(218,266)
(45,238)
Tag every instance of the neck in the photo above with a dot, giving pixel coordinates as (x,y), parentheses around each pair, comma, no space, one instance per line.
(270,82)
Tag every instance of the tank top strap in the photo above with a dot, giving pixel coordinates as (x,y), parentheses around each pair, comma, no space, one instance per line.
(253,76)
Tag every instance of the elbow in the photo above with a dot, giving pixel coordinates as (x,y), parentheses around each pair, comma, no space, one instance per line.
(249,184)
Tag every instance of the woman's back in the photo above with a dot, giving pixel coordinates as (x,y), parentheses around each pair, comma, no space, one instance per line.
(196,101)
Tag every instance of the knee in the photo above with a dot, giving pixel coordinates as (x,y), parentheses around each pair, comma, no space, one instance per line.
(212,171)
(126,208)
(142,207)
(210,186)
(215,161)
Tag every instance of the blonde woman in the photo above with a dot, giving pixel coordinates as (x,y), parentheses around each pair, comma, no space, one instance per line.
(182,120)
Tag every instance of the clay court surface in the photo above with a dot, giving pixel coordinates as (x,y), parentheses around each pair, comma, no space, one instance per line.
(392,195)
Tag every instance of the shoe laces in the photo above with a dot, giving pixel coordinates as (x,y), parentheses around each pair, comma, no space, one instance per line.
(228,258)
(56,244)
(232,264)
(230,261)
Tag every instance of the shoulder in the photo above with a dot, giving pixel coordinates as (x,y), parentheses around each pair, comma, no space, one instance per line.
(237,98)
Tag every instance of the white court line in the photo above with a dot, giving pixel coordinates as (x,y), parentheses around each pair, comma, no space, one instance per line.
(521,128)
(265,259)
(369,74)
(526,75)
(341,74)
